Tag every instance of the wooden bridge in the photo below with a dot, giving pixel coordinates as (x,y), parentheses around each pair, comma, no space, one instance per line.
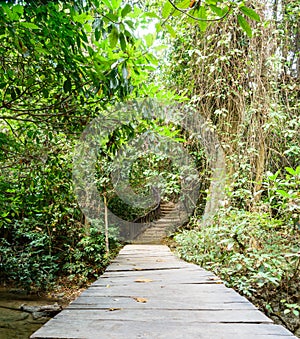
(147,292)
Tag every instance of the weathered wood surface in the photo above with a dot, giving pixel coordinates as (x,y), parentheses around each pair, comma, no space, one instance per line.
(148,293)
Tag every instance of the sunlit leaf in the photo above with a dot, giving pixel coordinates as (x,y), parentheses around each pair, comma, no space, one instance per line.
(166,10)
(108,3)
(203,16)
(171,30)
(290,170)
(29,25)
(149,38)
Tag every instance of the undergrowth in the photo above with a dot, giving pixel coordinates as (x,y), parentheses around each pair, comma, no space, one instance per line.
(257,255)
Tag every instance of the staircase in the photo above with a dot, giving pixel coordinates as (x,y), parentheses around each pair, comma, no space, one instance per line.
(171,217)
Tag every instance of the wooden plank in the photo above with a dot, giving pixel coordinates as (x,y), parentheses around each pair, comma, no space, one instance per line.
(201,298)
(91,329)
(158,279)
(169,316)
(189,303)
(181,300)
(183,275)
(158,291)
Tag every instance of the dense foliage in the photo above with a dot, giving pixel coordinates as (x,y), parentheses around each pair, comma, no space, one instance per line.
(237,64)
(60,65)
(248,92)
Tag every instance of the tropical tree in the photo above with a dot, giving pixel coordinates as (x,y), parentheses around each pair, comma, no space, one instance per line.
(61,63)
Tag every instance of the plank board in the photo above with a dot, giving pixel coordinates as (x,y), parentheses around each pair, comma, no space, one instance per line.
(147,292)
(189,303)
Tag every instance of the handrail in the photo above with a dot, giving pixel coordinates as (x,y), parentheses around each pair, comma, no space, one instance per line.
(140,224)
(150,215)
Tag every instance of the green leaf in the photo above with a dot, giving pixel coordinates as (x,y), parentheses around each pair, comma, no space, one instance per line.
(18,9)
(111,16)
(283,193)
(296,313)
(160,47)
(166,10)
(216,10)
(12,16)
(97,34)
(29,25)
(82,18)
(88,27)
(67,85)
(250,13)
(171,30)
(116,3)
(184,4)
(122,42)
(108,3)
(149,38)
(113,37)
(151,15)
(203,16)
(244,25)
(290,170)
(90,50)
(127,9)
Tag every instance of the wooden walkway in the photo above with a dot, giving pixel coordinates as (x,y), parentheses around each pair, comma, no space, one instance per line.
(147,292)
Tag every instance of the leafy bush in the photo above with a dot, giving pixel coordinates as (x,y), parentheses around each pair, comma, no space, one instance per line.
(26,261)
(247,250)
(33,259)
(283,194)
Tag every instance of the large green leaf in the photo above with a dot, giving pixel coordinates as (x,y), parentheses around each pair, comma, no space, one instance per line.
(29,25)
(166,10)
(116,3)
(203,16)
(250,13)
(182,5)
(113,37)
(122,42)
(245,25)
(217,10)
(126,10)
(108,3)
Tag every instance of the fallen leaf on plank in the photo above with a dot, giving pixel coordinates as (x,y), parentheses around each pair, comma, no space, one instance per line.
(137,269)
(114,309)
(143,280)
(140,300)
